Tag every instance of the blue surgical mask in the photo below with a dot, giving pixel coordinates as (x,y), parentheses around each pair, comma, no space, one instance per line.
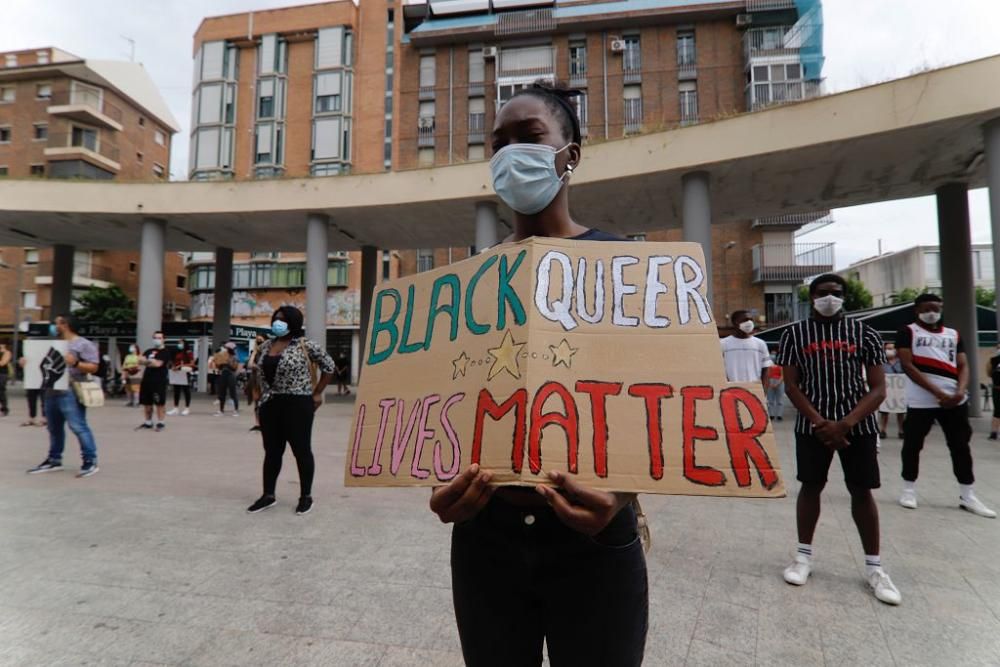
(524,176)
(279,328)
(53,330)
(180,346)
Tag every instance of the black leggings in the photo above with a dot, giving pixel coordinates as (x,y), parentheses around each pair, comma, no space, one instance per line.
(33,396)
(287,419)
(186,390)
(3,393)
(226,384)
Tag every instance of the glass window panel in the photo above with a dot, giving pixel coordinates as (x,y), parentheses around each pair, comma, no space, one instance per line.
(326,138)
(266,55)
(211,104)
(329,48)
(208,148)
(477,67)
(211,60)
(760,73)
(427,71)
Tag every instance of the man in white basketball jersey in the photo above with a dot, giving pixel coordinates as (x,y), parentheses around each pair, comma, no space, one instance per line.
(935,362)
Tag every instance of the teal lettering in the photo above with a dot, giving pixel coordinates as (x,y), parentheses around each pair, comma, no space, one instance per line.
(470,317)
(507,295)
(406,346)
(451,280)
(379,325)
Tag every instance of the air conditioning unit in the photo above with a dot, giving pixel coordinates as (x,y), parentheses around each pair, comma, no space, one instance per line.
(744,19)
(490,52)
(617,46)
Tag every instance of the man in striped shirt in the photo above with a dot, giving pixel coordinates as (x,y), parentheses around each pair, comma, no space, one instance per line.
(937,369)
(833,375)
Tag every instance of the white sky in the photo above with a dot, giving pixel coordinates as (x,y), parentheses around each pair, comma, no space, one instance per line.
(866,41)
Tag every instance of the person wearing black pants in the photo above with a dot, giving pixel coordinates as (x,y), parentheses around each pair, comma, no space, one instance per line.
(290,396)
(226,363)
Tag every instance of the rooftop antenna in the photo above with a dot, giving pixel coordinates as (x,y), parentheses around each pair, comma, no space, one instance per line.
(131,44)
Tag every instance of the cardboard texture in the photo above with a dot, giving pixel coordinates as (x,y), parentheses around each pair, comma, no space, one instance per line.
(895,394)
(597,359)
(44,365)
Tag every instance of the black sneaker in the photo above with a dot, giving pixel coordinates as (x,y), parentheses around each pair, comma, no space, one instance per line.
(305,505)
(254,428)
(144,425)
(263,503)
(88,469)
(160,426)
(48,465)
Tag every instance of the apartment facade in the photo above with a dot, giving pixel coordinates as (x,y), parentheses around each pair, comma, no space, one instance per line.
(62,116)
(915,268)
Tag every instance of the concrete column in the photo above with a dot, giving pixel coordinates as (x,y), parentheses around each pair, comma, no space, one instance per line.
(355,356)
(992,131)
(697,218)
(317,269)
(487,224)
(62,280)
(955,239)
(150,303)
(222,307)
(204,342)
(369,279)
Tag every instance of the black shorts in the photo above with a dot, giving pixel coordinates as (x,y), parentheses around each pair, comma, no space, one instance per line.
(153,393)
(996,403)
(859,460)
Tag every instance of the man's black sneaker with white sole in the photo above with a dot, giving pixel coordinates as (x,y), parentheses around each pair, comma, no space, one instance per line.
(88,469)
(48,465)
(305,505)
(263,503)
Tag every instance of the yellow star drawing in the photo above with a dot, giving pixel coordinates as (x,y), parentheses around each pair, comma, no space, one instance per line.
(460,364)
(562,353)
(505,357)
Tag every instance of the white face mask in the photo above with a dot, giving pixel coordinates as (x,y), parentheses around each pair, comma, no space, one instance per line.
(891,354)
(524,176)
(828,305)
(747,326)
(930,317)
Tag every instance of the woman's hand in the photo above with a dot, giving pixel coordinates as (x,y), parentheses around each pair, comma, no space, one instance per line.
(463,497)
(582,508)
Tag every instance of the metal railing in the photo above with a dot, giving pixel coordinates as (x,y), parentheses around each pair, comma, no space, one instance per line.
(790,310)
(766,42)
(769,5)
(633,116)
(86,98)
(477,128)
(794,220)
(790,262)
(632,64)
(90,142)
(689,107)
(528,21)
(425,132)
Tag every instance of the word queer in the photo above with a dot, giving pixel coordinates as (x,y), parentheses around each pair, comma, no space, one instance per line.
(398,432)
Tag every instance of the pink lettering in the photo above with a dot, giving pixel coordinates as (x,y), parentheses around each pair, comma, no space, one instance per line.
(401,437)
(356,470)
(456,447)
(423,435)
(376,467)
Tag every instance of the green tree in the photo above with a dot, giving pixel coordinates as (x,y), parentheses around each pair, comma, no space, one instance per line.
(986,297)
(105,304)
(857,297)
(908,294)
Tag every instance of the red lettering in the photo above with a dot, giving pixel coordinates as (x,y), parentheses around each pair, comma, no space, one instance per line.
(652,393)
(744,441)
(599,392)
(692,431)
(517,402)
(569,422)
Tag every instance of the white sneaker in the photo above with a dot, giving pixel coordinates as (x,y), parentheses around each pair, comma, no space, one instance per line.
(976,506)
(185,412)
(797,573)
(236,413)
(217,414)
(172,412)
(885,591)
(908,499)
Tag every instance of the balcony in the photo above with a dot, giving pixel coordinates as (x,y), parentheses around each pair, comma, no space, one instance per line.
(525,22)
(526,62)
(769,42)
(687,66)
(801,223)
(633,116)
(790,262)
(84,274)
(769,5)
(632,65)
(425,132)
(86,145)
(87,107)
(477,128)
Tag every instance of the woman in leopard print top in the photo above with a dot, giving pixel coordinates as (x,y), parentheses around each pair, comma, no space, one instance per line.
(289,398)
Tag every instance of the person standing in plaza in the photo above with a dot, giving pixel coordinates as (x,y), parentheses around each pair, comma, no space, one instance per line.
(343,376)
(35,398)
(993,371)
(226,363)
(937,368)
(745,356)
(179,375)
(775,391)
(5,359)
(253,381)
(834,377)
(153,388)
(132,375)
(892,366)
(289,399)
(519,555)
(62,407)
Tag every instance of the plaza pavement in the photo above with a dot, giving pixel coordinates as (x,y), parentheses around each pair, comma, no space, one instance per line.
(153,561)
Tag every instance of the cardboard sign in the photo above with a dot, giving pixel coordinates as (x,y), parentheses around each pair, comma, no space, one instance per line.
(597,359)
(45,367)
(895,393)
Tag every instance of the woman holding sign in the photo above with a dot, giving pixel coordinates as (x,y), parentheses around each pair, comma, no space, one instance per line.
(560,565)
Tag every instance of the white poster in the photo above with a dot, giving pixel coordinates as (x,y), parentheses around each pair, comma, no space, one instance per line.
(45,366)
(895,394)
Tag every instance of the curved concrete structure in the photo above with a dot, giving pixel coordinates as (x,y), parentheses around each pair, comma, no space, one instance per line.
(894,140)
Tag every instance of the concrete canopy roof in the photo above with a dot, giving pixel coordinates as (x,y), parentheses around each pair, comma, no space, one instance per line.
(894,140)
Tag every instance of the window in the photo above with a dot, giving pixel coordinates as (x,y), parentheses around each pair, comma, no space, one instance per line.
(333,169)
(159,138)
(425,260)
(11,60)
(633,108)
(158,170)
(29,300)
(38,170)
(689,101)
(3,170)
(5,135)
(138,157)
(84,137)
(142,122)
(43,91)
(269,58)
(428,72)
(41,131)
(477,66)
(30,256)
(336,273)
(685,48)
(213,55)
(326,138)
(578,59)
(932,267)
(42,57)
(580,105)
(425,157)
(181,282)
(386,265)
(330,48)
(210,108)
(207,153)
(328,91)
(7,94)
(775,83)
(265,98)
(632,58)
(477,153)
(263,148)
(477,120)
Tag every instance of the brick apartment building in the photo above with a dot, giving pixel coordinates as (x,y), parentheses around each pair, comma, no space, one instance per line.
(65,117)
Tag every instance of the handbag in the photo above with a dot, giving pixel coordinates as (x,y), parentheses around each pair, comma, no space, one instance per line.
(89,393)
